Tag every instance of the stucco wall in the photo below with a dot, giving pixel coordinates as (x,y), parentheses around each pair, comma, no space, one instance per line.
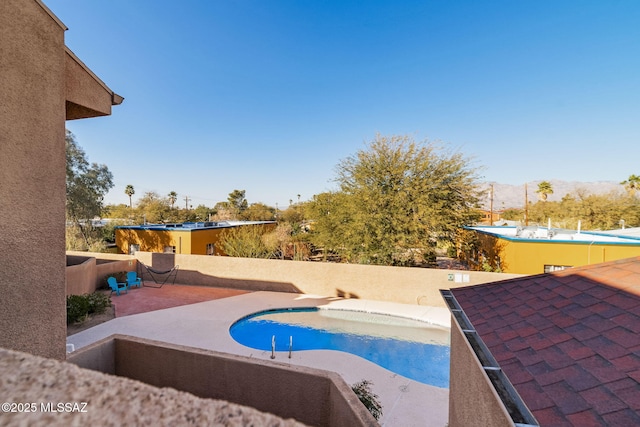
(308,395)
(86,95)
(396,284)
(36,386)
(108,268)
(32,179)
(87,276)
(81,277)
(473,401)
(33,86)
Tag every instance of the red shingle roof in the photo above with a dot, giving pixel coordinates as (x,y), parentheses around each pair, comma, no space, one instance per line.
(568,341)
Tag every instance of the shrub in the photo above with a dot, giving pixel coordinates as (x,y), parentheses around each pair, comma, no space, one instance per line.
(368,398)
(98,302)
(79,307)
(121,276)
(247,242)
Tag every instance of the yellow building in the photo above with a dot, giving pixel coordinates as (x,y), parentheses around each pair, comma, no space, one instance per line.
(534,250)
(195,238)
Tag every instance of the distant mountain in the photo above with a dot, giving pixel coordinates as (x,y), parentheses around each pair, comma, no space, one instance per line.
(507,196)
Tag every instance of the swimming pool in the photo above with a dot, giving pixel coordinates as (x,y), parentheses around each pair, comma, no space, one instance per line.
(411,348)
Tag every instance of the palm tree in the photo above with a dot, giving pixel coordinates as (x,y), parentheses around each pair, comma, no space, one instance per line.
(173,196)
(129,191)
(632,184)
(544,189)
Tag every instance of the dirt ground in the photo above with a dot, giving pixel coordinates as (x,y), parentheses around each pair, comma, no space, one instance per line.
(92,321)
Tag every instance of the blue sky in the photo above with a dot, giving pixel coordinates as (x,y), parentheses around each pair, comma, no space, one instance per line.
(268,96)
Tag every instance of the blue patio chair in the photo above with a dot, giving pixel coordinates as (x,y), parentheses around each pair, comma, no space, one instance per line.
(133,279)
(116,286)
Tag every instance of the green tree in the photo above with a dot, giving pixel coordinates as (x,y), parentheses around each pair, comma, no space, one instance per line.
(293,215)
(632,184)
(152,208)
(258,212)
(397,198)
(592,211)
(120,212)
(332,215)
(248,242)
(222,212)
(87,184)
(129,191)
(512,214)
(237,202)
(544,189)
(202,213)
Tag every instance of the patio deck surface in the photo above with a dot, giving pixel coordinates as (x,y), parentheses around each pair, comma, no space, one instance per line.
(200,317)
(145,299)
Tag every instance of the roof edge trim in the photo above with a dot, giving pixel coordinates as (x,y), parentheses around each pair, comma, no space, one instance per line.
(520,415)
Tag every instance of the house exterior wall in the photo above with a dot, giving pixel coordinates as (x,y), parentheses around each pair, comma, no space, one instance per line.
(530,256)
(32,179)
(157,240)
(186,241)
(199,241)
(33,88)
(181,240)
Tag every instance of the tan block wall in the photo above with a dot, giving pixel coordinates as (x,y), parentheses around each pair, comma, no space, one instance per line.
(87,276)
(97,399)
(397,284)
(109,268)
(81,278)
(32,179)
(311,396)
(473,400)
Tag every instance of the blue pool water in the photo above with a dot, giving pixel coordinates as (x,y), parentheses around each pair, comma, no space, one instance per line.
(410,348)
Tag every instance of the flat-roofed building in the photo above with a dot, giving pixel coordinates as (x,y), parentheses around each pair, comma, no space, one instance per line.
(535,249)
(193,238)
